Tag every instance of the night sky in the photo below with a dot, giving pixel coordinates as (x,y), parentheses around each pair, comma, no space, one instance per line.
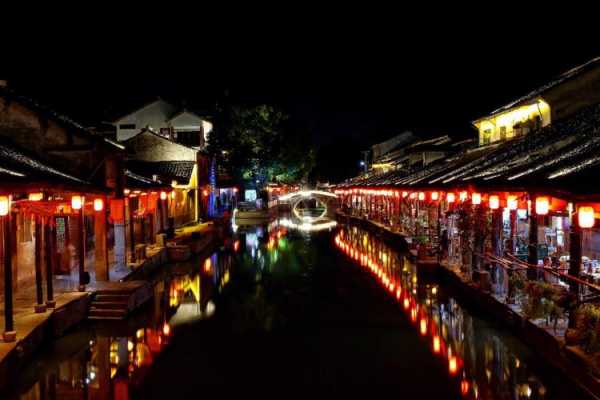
(350,92)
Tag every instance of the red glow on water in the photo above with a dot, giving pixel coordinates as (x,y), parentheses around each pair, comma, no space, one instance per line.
(423,326)
(207,265)
(436,344)
(452,365)
(464,386)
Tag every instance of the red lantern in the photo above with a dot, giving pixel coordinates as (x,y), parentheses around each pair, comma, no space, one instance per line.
(98,204)
(511,202)
(450,197)
(421,196)
(117,213)
(4,205)
(494,202)
(435,196)
(586,217)
(476,198)
(76,202)
(542,205)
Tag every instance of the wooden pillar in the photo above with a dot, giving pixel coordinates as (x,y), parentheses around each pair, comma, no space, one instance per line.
(575,254)
(40,306)
(497,241)
(131,231)
(159,212)
(100,246)
(512,243)
(9,334)
(81,248)
(49,253)
(532,257)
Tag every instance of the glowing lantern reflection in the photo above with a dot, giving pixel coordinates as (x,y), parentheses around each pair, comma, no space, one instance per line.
(512,202)
(166,329)
(98,204)
(586,217)
(452,365)
(476,198)
(464,386)
(76,202)
(163,195)
(542,205)
(423,326)
(494,202)
(207,265)
(436,344)
(450,197)
(4,205)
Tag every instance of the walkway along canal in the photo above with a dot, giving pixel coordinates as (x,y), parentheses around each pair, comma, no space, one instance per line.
(281,305)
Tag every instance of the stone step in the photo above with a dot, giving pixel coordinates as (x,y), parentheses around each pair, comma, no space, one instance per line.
(104,318)
(101,313)
(115,298)
(110,305)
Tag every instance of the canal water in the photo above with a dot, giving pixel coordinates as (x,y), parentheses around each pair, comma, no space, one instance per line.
(292,303)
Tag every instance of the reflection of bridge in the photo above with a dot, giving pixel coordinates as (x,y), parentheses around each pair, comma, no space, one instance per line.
(325,202)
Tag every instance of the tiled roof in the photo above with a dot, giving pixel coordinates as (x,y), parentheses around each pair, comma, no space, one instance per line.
(48,112)
(564,156)
(16,166)
(555,82)
(135,181)
(166,170)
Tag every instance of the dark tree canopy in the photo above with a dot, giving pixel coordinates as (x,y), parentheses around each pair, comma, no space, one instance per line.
(260,144)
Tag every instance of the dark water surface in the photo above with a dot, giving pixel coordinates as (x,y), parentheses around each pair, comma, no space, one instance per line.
(286,305)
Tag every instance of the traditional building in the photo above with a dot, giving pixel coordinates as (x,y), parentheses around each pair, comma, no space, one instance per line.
(185,168)
(177,124)
(552,102)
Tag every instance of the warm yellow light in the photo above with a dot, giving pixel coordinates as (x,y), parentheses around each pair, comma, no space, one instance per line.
(98,204)
(404,194)
(4,205)
(435,196)
(163,195)
(452,365)
(542,205)
(494,202)
(450,197)
(173,195)
(412,196)
(437,345)
(35,196)
(126,191)
(512,202)
(476,198)
(76,202)
(586,217)
(463,195)
(421,196)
